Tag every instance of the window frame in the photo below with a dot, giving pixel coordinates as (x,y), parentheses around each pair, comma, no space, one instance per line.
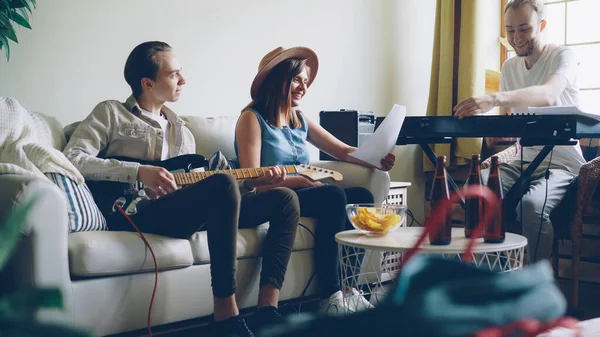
(589,43)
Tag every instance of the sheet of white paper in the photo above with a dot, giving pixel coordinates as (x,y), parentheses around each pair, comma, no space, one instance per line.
(383,140)
(562,110)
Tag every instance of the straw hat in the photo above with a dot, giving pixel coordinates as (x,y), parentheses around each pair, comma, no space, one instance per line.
(278,55)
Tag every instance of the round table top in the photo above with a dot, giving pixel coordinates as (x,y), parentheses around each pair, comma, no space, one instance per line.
(403,238)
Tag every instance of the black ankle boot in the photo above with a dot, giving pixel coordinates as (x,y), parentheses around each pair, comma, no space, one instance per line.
(265,316)
(232,327)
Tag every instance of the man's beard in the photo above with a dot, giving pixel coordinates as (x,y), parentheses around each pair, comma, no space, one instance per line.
(529,51)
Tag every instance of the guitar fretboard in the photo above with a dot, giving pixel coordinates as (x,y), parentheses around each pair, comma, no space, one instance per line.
(189,178)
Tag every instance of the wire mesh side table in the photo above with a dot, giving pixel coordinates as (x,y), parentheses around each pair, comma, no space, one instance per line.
(359,252)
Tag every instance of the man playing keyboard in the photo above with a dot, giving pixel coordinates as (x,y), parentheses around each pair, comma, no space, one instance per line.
(540,75)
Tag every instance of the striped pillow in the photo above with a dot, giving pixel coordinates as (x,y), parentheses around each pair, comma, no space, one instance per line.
(218,161)
(84,214)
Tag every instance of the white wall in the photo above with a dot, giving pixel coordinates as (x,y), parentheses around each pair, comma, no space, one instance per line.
(411,27)
(74,56)
(373,53)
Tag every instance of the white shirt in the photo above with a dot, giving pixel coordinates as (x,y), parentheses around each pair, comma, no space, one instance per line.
(554,60)
(164,124)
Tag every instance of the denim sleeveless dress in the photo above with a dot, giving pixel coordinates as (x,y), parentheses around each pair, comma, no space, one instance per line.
(281,146)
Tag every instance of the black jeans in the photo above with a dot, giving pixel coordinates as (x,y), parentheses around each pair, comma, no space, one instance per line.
(215,205)
(327,204)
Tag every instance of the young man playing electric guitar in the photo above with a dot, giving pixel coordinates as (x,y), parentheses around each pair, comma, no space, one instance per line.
(143,128)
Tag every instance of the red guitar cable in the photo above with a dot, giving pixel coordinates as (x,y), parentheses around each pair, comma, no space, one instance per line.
(155,267)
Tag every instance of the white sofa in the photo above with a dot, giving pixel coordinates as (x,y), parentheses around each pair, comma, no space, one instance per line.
(106,278)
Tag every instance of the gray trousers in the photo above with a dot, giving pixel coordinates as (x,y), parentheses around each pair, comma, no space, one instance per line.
(534,223)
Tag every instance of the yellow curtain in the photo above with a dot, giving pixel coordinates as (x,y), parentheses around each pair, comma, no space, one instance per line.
(457,70)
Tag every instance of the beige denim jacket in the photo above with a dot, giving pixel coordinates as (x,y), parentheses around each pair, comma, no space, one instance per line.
(120,129)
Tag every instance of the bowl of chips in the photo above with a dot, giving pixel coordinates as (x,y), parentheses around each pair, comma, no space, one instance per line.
(376,218)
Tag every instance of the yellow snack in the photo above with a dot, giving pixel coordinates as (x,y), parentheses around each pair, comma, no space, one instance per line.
(369,219)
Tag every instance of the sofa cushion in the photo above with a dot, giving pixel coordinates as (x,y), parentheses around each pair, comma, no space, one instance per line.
(213,134)
(250,241)
(93,254)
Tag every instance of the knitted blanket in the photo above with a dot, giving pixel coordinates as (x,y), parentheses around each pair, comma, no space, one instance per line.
(22,145)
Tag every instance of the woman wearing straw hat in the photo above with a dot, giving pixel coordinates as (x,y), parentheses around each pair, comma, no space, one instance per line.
(273,131)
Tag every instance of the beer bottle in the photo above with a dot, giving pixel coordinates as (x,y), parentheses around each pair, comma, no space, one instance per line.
(494,232)
(439,193)
(473,206)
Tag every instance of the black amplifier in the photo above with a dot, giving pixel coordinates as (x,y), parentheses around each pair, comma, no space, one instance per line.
(350,126)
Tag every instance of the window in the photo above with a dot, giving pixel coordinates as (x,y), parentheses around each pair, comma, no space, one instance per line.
(573,23)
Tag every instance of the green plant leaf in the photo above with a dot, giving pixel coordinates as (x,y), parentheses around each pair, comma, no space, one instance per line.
(4,20)
(23,12)
(23,303)
(3,39)
(6,47)
(10,232)
(10,33)
(21,20)
(4,5)
(4,44)
(19,4)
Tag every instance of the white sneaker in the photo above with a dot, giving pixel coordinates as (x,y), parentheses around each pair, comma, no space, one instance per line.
(357,302)
(380,293)
(337,304)
(334,305)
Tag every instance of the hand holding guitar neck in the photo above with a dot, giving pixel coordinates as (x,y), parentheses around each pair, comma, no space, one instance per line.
(273,176)
(157,178)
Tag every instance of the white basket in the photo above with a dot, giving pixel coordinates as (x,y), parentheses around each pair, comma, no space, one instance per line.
(395,197)
(389,260)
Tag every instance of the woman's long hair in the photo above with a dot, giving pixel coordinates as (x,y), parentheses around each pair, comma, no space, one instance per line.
(274,95)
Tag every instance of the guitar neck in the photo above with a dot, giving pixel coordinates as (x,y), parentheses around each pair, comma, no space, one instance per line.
(189,178)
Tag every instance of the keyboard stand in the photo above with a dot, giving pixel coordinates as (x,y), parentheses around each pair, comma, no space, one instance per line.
(514,195)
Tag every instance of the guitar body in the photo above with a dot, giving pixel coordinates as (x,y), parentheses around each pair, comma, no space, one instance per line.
(105,193)
(128,195)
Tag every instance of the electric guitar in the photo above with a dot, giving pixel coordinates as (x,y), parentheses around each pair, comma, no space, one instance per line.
(128,195)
